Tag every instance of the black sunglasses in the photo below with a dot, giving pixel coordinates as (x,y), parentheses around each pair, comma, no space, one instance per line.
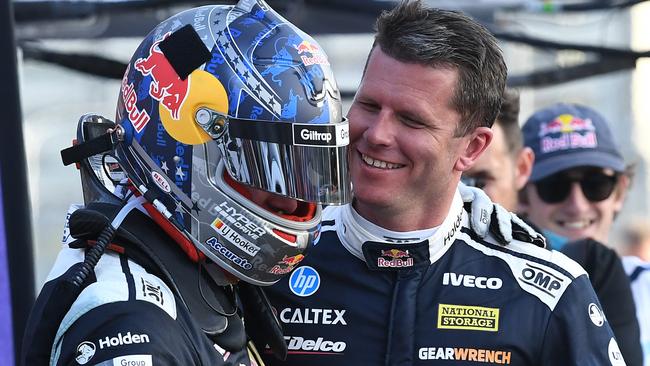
(596,186)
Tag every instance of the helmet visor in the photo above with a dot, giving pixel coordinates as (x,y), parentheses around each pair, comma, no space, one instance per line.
(304,161)
(312,174)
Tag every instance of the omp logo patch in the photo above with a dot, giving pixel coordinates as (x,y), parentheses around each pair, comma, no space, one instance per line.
(468,317)
(465,354)
(541,279)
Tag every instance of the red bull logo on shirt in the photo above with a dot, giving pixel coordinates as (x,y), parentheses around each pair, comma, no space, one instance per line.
(398,259)
(317,56)
(574,133)
(166,86)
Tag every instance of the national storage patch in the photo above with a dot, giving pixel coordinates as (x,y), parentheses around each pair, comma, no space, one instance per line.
(468,317)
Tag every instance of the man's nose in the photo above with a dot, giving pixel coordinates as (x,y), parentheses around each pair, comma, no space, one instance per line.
(380,130)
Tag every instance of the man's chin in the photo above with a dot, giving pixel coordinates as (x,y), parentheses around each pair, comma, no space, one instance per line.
(367,196)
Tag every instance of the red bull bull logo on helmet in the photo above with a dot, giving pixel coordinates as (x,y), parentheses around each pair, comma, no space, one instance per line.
(398,259)
(166,86)
(574,133)
(317,56)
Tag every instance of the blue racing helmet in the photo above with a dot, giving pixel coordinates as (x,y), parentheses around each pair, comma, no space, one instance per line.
(235,92)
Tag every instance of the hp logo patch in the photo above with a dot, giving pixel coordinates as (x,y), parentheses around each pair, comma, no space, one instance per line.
(304,281)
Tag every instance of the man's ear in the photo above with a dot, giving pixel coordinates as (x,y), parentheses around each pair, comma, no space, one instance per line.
(472,148)
(524,166)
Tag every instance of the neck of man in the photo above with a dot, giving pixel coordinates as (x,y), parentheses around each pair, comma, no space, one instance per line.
(404,217)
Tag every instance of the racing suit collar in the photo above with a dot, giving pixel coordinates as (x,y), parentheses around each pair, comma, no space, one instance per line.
(355,230)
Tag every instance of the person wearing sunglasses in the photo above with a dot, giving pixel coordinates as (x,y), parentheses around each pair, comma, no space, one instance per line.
(504,169)
(577,186)
(579,179)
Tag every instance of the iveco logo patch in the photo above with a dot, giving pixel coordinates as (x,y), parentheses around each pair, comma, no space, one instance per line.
(465,280)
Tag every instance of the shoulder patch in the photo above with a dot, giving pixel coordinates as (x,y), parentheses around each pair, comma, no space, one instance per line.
(540,272)
(112,286)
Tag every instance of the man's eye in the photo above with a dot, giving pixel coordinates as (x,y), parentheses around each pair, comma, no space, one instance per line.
(368,106)
(412,123)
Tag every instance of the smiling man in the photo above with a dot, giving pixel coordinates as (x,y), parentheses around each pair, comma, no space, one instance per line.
(403,265)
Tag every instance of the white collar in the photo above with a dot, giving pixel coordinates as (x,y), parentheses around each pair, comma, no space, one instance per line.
(353,230)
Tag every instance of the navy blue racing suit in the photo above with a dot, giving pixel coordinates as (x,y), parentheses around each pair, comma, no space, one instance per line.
(368,296)
(132,314)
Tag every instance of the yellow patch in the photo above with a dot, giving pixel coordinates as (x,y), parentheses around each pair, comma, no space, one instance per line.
(204,90)
(468,317)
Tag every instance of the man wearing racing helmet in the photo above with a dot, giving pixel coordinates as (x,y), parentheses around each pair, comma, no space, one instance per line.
(402,276)
(228,137)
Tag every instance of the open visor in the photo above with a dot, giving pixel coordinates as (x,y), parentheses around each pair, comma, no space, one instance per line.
(304,161)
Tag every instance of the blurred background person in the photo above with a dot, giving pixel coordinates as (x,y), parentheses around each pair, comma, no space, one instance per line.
(579,179)
(636,261)
(508,163)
